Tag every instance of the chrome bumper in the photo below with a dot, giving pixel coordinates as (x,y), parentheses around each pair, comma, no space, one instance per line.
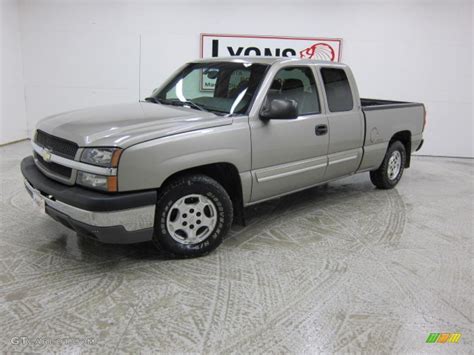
(135,221)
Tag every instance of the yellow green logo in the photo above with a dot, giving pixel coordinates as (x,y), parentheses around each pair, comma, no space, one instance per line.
(443,338)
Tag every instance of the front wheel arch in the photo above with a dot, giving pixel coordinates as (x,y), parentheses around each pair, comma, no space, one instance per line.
(226,174)
(175,190)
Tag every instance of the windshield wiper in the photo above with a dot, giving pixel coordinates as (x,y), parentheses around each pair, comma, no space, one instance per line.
(151,99)
(194,105)
(184,103)
(175,103)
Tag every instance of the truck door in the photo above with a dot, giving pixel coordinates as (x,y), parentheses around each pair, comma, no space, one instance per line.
(289,154)
(346,122)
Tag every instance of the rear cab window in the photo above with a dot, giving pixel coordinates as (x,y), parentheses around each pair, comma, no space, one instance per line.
(338,89)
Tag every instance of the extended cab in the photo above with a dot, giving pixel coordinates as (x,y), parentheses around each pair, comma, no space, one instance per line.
(219,135)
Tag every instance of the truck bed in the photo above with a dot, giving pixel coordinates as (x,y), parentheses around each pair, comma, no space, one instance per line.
(385,118)
(378,104)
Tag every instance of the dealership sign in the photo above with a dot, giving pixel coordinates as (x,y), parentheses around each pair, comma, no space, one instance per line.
(219,45)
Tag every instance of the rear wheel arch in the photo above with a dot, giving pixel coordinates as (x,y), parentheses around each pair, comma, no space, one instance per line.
(390,172)
(403,137)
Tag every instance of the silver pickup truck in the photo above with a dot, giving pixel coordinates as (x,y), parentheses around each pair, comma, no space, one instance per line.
(221,134)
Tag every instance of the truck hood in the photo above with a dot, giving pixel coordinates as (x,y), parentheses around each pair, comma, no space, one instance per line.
(123,125)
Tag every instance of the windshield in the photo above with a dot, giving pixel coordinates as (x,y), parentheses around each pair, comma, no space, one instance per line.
(221,87)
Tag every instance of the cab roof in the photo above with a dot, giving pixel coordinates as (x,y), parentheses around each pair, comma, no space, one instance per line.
(266,60)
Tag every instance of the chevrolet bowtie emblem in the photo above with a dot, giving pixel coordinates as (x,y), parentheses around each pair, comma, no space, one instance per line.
(46,154)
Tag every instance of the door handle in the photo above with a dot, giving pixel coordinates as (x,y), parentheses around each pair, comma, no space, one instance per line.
(321,129)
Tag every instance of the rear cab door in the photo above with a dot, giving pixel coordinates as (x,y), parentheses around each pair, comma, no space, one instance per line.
(345,120)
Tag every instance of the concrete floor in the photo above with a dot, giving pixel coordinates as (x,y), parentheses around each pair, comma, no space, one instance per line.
(341,268)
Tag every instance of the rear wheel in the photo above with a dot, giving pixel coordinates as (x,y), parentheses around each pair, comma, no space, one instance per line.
(390,172)
(193,214)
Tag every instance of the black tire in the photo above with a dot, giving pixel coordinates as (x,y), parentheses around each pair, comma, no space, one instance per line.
(381,177)
(176,190)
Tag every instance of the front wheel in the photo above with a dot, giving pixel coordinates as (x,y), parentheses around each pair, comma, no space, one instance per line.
(193,214)
(390,172)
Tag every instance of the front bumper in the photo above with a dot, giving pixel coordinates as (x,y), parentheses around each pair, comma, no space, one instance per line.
(119,218)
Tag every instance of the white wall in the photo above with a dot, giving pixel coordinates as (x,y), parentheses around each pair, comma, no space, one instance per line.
(81,53)
(13,124)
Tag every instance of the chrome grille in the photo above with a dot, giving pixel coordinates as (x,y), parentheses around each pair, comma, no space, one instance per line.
(61,170)
(57,145)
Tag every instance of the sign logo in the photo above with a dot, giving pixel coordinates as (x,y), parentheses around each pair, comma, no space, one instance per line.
(221,45)
(320,51)
(46,155)
(443,338)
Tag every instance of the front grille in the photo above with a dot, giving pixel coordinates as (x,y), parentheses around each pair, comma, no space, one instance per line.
(57,145)
(61,170)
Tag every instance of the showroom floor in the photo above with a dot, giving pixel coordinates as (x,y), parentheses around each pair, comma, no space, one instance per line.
(339,268)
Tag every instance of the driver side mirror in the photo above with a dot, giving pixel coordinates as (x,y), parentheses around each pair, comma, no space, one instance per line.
(279,109)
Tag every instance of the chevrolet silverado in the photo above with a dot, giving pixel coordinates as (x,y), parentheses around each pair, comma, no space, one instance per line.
(219,135)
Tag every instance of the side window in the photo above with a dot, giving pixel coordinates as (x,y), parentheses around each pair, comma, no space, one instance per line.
(338,90)
(296,83)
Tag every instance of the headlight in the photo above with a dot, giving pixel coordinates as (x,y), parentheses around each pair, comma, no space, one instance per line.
(99,182)
(107,157)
